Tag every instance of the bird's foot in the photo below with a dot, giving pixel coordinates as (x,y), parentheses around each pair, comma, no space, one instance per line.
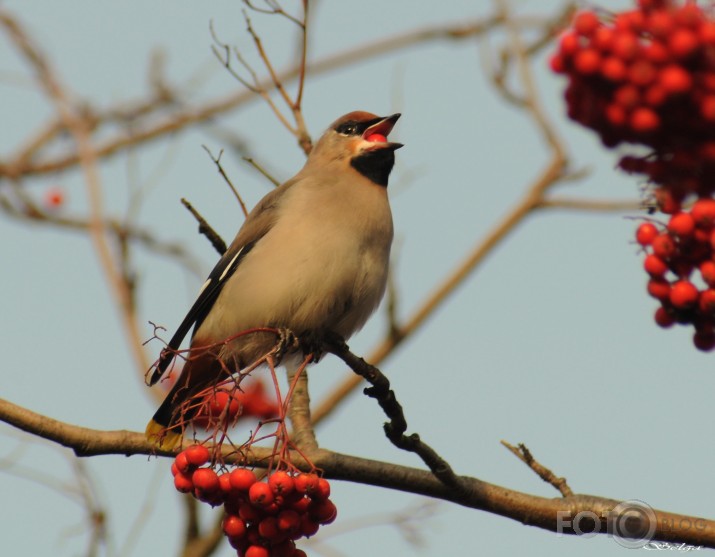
(314,342)
(287,342)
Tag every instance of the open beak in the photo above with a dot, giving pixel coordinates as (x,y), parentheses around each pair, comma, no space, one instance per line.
(379,131)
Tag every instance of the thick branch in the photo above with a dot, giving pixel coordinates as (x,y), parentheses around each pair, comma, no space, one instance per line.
(525,508)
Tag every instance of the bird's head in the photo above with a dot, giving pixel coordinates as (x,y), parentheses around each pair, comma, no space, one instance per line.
(361,138)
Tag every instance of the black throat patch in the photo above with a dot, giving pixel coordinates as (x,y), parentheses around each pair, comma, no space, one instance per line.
(375,165)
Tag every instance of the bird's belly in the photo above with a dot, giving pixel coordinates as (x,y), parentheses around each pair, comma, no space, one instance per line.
(304,284)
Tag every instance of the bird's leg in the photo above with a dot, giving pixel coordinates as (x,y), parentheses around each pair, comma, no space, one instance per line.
(314,342)
(287,341)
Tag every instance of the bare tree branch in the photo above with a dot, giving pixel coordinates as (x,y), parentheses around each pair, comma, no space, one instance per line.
(527,509)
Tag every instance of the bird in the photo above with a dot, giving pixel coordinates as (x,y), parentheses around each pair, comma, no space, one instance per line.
(311,258)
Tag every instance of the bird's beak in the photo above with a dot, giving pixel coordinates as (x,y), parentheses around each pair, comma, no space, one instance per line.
(378,132)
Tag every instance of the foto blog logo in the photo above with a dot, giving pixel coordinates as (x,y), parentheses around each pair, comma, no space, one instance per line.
(632,524)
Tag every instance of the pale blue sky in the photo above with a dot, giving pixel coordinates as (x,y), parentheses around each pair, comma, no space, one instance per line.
(550,343)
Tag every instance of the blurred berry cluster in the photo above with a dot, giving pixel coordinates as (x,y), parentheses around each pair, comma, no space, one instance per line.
(645,79)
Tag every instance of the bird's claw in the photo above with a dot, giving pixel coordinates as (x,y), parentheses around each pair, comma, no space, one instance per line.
(287,342)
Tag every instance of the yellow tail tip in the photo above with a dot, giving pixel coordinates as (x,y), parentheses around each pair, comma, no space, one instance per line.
(162,437)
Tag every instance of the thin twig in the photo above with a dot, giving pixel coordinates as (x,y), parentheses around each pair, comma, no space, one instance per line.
(262,170)
(219,167)
(524,454)
(206,229)
(187,115)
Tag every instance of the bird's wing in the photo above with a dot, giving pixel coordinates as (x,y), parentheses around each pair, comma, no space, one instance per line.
(257,224)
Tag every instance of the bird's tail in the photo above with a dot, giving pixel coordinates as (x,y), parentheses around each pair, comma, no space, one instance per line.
(166,428)
(160,430)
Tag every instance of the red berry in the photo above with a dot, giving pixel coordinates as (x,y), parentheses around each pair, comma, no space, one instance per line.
(224,482)
(234,526)
(586,23)
(249,513)
(260,494)
(663,246)
(707,271)
(197,455)
(706,302)
(655,95)
(667,203)
(683,43)
(707,33)
(306,483)
(625,46)
(703,212)
(301,505)
(284,549)
(323,490)
(323,512)
(660,24)
(646,233)
(688,15)
(681,224)
(616,114)
(174,469)
(659,289)
(182,463)
(218,403)
(183,483)
(613,69)
(281,483)
(655,266)
(707,107)
(205,480)
(707,152)
(587,61)
(256,551)
(54,197)
(683,294)
(642,73)
(308,526)
(656,52)
(704,340)
(603,38)
(242,479)
(556,63)
(376,138)
(627,96)
(644,120)
(663,318)
(268,528)
(630,21)
(675,79)
(288,521)
(569,44)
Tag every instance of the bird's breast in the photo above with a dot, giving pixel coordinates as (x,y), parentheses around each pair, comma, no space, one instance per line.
(317,268)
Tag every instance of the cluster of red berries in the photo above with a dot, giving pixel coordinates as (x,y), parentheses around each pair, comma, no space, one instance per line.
(673,253)
(647,77)
(263,518)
